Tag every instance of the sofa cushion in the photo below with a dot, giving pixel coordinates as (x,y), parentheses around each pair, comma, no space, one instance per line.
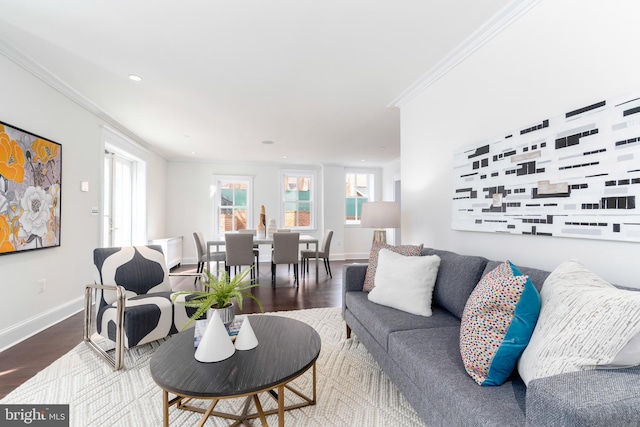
(458,275)
(584,323)
(497,324)
(432,359)
(405,282)
(407,250)
(381,320)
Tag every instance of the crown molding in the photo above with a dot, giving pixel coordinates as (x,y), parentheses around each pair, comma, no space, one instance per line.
(34,68)
(498,22)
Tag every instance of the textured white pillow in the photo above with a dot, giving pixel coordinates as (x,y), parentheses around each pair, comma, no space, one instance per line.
(584,324)
(405,282)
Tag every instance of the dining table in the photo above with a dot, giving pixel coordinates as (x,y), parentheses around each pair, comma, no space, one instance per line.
(218,241)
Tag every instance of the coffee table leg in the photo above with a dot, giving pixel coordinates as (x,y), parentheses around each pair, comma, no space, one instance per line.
(263,419)
(208,412)
(165,408)
(281,406)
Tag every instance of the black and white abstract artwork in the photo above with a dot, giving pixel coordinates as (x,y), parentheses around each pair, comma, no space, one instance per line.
(573,175)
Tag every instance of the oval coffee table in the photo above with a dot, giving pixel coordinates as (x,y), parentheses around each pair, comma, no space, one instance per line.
(286,349)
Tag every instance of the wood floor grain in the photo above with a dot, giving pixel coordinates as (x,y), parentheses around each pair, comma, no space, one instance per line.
(24,360)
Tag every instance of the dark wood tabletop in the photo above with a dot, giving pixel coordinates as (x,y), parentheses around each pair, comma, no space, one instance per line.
(286,347)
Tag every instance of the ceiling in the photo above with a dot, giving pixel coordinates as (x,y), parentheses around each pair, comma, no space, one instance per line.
(221,76)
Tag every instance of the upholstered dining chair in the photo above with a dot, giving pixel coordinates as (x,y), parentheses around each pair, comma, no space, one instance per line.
(285,251)
(307,254)
(239,252)
(256,247)
(201,251)
(133,300)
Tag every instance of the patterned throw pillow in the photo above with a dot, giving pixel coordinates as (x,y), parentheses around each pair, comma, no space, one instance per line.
(497,323)
(585,323)
(406,250)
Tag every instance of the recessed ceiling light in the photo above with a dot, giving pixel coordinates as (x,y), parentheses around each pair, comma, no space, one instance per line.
(193,152)
(267,142)
(135,78)
(363,160)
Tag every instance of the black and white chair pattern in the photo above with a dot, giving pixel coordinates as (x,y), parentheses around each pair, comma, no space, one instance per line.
(133,300)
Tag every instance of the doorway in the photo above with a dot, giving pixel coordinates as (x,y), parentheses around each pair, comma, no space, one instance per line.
(123,192)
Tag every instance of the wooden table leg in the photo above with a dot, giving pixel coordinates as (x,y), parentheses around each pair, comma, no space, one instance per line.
(165,408)
(281,406)
(263,419)
(208,412)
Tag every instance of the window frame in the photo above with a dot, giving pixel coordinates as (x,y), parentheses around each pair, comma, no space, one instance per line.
(232,179)
(371,186)
(291,173)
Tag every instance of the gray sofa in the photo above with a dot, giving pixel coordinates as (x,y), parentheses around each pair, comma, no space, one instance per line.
(422,357)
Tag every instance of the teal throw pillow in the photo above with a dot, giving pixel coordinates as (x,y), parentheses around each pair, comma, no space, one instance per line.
(497,324)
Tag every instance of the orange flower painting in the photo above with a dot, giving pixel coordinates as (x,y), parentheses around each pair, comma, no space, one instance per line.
(11,159)
(30,191)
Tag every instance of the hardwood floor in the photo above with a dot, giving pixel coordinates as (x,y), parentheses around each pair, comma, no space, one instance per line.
(24,360)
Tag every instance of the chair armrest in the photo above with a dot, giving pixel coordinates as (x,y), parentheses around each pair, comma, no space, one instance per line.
(586,398)
(117,360)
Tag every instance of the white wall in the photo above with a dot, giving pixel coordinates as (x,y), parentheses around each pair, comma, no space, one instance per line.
(30,104)
(559,56)
(191,206)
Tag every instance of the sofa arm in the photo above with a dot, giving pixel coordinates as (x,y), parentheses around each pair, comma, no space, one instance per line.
(352,279)
(585,398)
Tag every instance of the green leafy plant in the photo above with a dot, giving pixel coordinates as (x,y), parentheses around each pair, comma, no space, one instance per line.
(218,293)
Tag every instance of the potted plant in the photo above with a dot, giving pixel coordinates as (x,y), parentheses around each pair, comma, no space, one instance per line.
(218,294)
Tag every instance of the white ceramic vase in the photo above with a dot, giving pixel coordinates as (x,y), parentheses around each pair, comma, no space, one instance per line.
(271,228)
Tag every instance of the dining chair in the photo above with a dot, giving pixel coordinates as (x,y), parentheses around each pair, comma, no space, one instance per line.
(307,254)
(201,251)
(286,248)
(239,252)
(256,248)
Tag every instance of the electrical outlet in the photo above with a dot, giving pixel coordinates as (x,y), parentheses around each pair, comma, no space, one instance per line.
(41,286)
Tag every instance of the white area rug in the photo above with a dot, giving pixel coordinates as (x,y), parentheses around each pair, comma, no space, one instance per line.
(352,390)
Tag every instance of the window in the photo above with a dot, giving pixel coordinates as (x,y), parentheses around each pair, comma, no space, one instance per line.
(297,199)
(358,190)
(234,203)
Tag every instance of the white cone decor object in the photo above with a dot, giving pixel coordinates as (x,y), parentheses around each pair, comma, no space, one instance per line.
(246,339)
(216,344)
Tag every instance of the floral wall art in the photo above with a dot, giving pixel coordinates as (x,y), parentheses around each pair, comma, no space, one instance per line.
(30,181)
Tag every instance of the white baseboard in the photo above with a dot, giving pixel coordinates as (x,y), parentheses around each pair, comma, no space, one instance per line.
(21,331)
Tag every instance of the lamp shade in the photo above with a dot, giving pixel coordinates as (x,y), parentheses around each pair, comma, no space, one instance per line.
(380,215)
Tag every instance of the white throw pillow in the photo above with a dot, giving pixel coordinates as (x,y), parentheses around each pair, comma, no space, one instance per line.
(405,282)
(584,324)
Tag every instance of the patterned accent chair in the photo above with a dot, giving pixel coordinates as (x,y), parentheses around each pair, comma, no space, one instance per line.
(133,300)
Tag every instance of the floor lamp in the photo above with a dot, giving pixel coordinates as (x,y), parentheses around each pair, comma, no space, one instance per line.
(380,215)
